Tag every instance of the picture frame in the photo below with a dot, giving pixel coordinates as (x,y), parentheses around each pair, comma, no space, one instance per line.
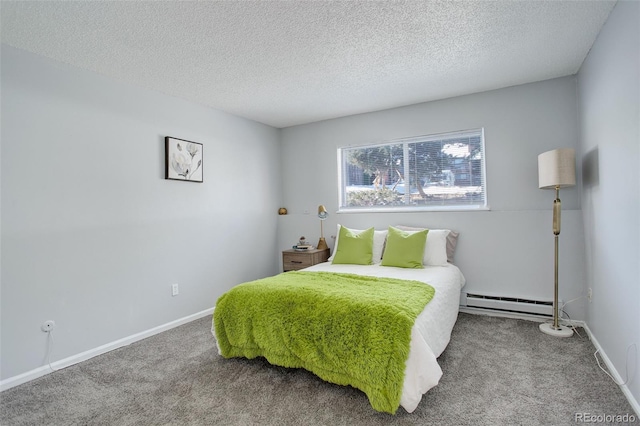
(183,160)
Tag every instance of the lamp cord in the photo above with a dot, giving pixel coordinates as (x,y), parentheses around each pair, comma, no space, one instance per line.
(571,324)
(561,311)
(595,354)
(626,367)
(572,300)
(50,343)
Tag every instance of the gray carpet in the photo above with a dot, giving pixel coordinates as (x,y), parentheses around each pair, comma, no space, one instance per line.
(497,371)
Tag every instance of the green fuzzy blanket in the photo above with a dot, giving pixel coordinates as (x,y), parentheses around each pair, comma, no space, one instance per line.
(347,329)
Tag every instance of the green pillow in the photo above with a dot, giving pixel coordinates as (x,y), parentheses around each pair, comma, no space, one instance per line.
(404,249)
(354,247)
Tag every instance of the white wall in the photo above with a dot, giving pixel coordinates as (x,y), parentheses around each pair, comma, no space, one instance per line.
(92,234)
(609,104)
(505,251)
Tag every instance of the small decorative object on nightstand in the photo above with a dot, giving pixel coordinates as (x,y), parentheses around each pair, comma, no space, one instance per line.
(292,260)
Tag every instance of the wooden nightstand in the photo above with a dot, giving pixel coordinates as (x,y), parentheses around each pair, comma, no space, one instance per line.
(293,260)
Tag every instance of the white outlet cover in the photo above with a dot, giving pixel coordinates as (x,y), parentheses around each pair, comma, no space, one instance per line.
(47,326)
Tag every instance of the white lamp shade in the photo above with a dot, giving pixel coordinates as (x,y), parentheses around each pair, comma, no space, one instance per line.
(557,168)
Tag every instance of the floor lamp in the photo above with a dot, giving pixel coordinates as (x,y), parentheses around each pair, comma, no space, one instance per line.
(322,214)
(556,169)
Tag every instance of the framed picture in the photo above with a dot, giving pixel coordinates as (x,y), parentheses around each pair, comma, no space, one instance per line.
(183,160)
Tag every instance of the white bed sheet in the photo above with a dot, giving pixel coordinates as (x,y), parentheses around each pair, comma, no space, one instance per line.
(431,332)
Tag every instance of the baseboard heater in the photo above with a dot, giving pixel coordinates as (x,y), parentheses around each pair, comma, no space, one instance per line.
(507,304)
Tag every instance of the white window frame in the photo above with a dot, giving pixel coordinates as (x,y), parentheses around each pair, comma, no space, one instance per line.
(481,206)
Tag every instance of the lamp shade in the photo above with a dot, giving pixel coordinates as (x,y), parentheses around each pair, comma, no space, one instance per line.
(557,168)
(322,212)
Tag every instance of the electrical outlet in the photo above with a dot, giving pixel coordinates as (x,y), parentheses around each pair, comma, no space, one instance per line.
(175,290)
(47,326)
(589,294)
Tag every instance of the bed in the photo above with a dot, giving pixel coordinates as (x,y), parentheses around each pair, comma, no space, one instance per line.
(430,331)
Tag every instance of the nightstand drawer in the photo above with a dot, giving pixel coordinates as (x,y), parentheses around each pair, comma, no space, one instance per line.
(293,260)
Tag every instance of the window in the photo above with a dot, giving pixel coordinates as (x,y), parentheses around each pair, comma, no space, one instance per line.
(436,172)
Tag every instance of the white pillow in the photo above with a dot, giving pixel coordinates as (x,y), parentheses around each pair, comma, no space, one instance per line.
(379,237)
(435,251)
(452,239)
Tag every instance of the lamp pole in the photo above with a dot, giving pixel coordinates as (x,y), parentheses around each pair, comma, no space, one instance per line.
(556,329)
(556,232)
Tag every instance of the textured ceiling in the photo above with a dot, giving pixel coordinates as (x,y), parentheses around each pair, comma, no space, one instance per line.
(291,62)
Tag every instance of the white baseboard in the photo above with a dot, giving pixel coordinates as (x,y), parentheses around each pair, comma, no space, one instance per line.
(75,359)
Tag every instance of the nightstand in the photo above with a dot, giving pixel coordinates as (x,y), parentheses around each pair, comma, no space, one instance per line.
(292,260)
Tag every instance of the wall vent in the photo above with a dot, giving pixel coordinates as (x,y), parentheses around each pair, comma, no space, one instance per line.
(508,304)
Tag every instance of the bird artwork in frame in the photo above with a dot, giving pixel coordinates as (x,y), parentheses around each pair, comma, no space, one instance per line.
(183,160)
